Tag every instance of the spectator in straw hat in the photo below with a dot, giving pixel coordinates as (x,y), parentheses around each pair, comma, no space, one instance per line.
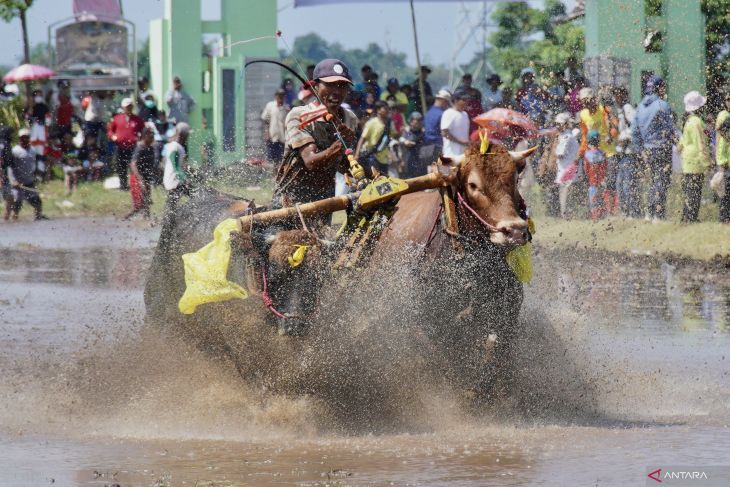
(695,151)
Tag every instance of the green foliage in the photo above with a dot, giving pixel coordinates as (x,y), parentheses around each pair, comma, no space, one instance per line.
(717,36)
(41,54)
(653,8)
(11,113)
(143,59)
(10,9)
(528,36)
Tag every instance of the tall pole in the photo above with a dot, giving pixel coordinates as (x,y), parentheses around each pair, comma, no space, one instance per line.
(421,86)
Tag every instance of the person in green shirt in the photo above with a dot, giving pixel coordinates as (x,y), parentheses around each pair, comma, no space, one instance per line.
(722,157)
(695,151)
(373,147)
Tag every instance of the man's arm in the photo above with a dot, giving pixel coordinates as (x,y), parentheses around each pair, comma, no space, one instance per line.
(314,160)
(111,130)
(448,136)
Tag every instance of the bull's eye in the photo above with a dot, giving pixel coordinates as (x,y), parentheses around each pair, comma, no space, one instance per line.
(473,187)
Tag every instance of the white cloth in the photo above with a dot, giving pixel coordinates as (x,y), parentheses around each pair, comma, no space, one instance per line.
(457,123)
(275,116)
(566,152)
(174,153)
(94,110)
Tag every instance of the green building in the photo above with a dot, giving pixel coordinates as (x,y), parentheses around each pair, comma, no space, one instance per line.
(628,40)
(228,99)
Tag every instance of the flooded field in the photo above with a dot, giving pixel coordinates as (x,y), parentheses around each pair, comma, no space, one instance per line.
(624,367)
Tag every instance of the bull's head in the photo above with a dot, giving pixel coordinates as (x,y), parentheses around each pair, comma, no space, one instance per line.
(488,183)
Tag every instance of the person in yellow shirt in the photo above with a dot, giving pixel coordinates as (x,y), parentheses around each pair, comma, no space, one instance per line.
(722,157)
(598,117)
(695,151)
(373,147)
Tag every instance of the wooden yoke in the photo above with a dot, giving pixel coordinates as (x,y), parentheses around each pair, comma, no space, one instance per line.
(337,203)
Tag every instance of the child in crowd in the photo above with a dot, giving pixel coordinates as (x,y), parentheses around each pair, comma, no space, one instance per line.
(695,151)
(71,170)
(566,154)
(93,166)
(596,166)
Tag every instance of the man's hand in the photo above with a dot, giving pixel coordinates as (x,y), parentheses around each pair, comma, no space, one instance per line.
(334,150)
(345,132)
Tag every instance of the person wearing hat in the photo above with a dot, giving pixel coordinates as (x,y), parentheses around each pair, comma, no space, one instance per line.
(493,93)
(696,157)
(124,130)
(416,89)
(432,137)
(313,151)
(21,176)
(274,117)
(652,137)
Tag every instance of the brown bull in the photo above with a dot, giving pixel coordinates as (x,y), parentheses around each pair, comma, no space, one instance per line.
(436,303)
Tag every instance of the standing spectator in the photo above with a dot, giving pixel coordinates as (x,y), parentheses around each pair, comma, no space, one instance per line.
(71,169)
(432,122)
(373,146)
(124,131)
(144,168)
(557,93)
(395,115)
(393,89)
(695,151)
(722,157)
(569,171)
(179,102)
(572,98)
(556,169)
(407,91)
(93,109)
(416,162)
(21,176)
(493,94)
(6,157)
(530,98)
(455,129)
(627,179)
(175,179)
(148,111)
(289,94)
(598,117)
(595,166)
(416,89)
(143,86)
(652,135)
(473,99)
(274,115)
(39,117)
(64,115)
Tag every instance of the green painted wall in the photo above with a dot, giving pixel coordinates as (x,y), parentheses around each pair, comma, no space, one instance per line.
(617,28)
(176,50)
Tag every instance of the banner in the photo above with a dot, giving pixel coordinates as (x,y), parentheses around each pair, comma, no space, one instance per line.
(108,10)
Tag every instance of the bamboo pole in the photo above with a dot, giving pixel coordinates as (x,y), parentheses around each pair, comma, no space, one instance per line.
(336,203)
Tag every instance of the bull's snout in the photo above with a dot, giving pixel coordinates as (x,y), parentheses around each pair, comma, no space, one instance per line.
(511,233)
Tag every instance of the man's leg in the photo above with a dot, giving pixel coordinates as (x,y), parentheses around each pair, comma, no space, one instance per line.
(123,158)
(34,199)
(725,200)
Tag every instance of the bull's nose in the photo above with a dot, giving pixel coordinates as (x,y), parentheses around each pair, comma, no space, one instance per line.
(515,231)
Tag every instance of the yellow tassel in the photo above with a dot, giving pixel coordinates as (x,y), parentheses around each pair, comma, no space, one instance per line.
(296,258)
(484,138)
(520,258)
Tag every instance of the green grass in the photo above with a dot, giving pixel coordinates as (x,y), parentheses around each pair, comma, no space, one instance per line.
(702,241)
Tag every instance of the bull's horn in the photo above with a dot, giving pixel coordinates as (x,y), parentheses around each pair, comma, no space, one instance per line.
(519,156)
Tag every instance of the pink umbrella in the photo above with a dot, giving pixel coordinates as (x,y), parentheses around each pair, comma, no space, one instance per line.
(504,122)
(28,72)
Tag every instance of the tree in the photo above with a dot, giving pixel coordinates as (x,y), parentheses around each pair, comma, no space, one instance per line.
(717,38)
(9,9)
(528,36)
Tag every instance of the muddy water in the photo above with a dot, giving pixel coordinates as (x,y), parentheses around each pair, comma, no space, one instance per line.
(623,367)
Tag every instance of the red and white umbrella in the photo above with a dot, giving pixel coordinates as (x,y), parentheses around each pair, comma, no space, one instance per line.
(503,122)
(28,72)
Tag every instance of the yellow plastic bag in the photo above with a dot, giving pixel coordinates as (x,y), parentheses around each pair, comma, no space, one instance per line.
(520,258)
(206,271)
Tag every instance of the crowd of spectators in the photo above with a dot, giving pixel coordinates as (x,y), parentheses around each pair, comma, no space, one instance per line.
(92,136)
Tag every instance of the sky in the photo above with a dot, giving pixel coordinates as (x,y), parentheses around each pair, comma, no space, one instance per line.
(389,25)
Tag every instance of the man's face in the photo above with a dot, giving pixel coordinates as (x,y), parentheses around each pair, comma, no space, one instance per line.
(333,94)
(466,81)
(494,84)
(279,99)
(24,141)
(177,84)
(393,88)
(662,91)
(527,79)
(148,138)
(620,97)
(128,109)
(460,104)
(416,124)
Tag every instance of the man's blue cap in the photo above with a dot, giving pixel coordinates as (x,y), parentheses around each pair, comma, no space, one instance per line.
(653,83)
(332,71)
(393,81)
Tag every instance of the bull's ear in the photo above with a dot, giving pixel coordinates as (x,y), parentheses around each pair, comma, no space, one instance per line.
(446,161)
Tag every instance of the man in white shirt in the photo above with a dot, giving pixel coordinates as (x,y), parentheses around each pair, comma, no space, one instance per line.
(455,128)
(175,177)
(274,115)
(492,96)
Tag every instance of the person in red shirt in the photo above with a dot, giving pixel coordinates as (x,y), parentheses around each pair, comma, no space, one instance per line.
(124,130)
(64,114)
